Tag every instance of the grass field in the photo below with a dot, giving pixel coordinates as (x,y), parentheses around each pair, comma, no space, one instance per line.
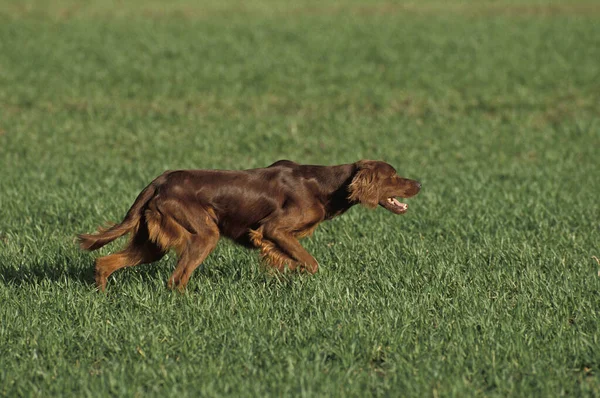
(486,287)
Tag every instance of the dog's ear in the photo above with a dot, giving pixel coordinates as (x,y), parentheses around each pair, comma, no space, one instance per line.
(364,187)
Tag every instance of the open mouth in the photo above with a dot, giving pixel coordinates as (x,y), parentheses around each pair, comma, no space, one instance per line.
(394,205)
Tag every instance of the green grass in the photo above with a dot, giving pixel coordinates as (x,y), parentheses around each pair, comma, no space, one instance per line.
(486,287)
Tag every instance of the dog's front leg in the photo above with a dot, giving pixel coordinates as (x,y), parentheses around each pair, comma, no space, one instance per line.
(292,248)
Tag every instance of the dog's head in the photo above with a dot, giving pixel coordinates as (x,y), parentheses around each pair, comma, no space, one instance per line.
(377,183)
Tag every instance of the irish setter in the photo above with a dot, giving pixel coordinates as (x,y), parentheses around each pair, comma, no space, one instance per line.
(268,208)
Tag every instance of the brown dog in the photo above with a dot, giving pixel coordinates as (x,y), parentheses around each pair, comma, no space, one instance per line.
(268,208)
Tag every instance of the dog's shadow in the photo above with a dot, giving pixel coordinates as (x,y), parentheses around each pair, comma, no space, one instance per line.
(35,273)
(26,264)
(68,266)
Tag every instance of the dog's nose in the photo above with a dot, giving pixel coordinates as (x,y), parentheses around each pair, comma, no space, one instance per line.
(419,185)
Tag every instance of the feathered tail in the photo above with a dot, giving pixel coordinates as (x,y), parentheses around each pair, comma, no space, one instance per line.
(130,223)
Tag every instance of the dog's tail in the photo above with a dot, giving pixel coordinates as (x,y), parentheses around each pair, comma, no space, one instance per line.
(129,224)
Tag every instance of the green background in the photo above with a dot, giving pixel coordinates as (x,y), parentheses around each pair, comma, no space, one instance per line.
(487,286)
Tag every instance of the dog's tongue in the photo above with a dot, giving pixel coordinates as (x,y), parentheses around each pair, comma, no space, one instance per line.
(397,203)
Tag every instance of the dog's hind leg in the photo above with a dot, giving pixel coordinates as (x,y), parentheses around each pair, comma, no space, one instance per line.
(192,253)
(133,255)
(140,250)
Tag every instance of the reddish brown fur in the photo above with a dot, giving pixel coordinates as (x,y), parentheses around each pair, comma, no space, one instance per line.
(269,252)
(269,209)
